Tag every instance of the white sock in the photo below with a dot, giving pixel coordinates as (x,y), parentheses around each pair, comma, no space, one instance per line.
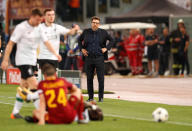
(33,96)
(18,104)
(36,103)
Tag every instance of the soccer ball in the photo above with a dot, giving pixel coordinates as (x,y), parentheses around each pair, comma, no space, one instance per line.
(160,115)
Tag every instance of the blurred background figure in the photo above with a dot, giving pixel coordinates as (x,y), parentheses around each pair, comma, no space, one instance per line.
(62,52)
(117,39)
(131,45)
(72,51)
(2,42)
(140,51)
(164,51)
(74,6)
(183,50)
(152,52)
(176,43)
(0,50)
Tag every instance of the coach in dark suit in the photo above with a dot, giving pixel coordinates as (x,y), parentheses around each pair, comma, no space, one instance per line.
(92,44)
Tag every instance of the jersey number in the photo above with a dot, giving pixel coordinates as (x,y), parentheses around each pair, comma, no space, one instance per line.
(61,98)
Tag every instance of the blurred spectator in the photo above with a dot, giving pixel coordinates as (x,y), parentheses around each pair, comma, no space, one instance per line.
(183,50)
(13,52)
(140,51)
(176,37)
(117,39)
(131,45)
(74,6)
(152,52)
(0,50)
(72,50)
(2,42)
(164,51)
(62,52)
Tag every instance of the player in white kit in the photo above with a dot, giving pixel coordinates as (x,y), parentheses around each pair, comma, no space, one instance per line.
(27,35)
(52,32)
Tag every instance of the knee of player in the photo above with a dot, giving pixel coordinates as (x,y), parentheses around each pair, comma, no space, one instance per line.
(76,92)
(33,86)
(35,112)
(23,84)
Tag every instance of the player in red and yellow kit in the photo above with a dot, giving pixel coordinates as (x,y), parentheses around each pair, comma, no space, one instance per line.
(54,107)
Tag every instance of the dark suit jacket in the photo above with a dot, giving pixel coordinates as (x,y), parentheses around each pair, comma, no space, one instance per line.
(103,37)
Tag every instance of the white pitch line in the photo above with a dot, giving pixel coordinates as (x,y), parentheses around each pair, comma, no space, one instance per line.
(144,119)
(7,97)
(6,103)
(125,117)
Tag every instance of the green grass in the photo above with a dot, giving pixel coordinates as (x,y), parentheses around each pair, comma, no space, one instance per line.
(119,116)
(96,92)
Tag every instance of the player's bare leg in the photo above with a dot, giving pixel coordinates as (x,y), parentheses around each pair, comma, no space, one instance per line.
(26,86)
(19,101)
(32,82)
(150,68)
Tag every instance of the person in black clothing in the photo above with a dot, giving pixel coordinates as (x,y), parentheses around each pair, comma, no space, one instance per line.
(164,51)
(62,52)
(92,43)
(176,42)
(2,42)
(151,41)
(183,50)
(0,50)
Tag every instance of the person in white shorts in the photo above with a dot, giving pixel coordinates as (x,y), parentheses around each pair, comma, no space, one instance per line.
(27,35)
(53,32)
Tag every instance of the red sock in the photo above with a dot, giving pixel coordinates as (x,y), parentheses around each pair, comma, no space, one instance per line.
(78,105)
(80,109)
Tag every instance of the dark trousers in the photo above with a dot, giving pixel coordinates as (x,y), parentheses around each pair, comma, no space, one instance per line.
(177,63)
(163,62)
(62,63)
(92,64)
(185,62)
(71,61)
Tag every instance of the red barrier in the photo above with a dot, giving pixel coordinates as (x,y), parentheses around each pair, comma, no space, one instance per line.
(13,76)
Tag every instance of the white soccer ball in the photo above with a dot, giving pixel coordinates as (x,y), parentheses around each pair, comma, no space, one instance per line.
(160,115)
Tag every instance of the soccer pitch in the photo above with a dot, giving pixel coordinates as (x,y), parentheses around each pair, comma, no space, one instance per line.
(119,116)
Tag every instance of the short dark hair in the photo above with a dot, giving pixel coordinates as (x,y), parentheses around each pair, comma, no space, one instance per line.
(95,18)
(47,10)
(48,69)
(35,12)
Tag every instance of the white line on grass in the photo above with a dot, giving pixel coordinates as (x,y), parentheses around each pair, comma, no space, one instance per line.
(124,117)
(144,119)
(7,97)
(6,103)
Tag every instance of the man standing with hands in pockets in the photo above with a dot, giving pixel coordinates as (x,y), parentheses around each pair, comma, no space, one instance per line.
(92,44)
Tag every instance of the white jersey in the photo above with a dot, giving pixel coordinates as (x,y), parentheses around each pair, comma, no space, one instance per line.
(27,39)
(53,33)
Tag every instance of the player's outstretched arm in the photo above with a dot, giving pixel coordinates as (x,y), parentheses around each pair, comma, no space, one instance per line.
(8,50)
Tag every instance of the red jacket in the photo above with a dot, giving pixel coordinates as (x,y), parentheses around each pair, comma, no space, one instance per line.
(132,43)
